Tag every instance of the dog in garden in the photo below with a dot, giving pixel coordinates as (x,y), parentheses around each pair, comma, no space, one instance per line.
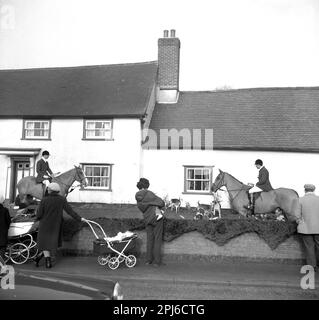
(175,204)
(216,207)
(188,206)
(208,211)
(204,208)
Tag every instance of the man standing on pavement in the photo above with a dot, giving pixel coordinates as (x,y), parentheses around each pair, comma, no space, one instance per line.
(150,205)
(307,217)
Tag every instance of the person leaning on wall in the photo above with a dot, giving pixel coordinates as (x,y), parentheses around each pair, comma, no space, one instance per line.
(150,205)
(307,217)
(5,221)
(50,214)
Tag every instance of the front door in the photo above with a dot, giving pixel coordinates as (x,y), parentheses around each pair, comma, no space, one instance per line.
(21,169)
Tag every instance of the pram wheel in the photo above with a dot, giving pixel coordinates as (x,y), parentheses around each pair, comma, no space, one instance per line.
(32,246)
(114,263)
(130,261)
(19,253)
(6,256)
(103,260)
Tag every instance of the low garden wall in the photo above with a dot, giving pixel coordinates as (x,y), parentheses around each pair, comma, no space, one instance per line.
(195,245)
(184,238)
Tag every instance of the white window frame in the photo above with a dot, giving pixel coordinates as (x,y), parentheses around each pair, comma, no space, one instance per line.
(108,133)
(33,137)
(209,180)
(108,177)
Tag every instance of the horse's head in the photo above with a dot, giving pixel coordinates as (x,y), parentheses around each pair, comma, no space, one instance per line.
(219,181)
(80,176)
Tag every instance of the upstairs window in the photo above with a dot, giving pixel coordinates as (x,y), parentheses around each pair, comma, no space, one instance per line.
(36,129)
(97,130)
(198,179)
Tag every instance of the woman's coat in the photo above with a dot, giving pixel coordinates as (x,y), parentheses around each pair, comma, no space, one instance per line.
(5,221)
(50,214)
(147,202)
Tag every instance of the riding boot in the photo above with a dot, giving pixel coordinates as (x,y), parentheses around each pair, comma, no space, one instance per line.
(48,263)
(252,208)
(38,258)
(251,205)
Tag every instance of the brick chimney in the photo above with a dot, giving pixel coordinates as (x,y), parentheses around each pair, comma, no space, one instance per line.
(168,68)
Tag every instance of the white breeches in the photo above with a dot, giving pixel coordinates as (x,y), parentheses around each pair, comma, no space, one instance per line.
(254,189)
(46,182)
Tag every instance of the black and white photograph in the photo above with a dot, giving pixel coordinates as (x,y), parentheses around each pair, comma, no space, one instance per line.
(159,151)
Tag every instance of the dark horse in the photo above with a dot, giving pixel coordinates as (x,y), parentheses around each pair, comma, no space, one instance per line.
(265,203)
(29,187)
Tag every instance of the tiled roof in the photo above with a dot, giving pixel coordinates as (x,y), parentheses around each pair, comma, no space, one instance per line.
(248,119)
(121,90)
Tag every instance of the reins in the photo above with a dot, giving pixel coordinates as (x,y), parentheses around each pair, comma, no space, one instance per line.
(232,198)
(74,179)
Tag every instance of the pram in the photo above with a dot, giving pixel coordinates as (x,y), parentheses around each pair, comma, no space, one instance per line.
(111,251)
(22,235)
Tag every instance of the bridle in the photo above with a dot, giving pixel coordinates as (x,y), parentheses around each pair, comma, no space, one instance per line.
(74,178)
(78,175)
(221,184)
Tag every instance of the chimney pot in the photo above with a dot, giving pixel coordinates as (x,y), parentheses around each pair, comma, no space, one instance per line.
(173,33)
(165,33)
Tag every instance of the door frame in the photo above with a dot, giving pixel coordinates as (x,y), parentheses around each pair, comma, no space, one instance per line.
(14,161)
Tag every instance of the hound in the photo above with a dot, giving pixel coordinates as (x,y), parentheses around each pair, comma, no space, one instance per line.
(175,204)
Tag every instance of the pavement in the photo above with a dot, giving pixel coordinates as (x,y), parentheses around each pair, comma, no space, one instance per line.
(229,273)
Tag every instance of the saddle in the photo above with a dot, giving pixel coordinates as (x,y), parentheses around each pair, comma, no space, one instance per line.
(255,195)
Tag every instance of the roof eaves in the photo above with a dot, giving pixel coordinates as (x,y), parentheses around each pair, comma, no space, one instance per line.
(113,116)
(252,89)
(79,66)
(237,148)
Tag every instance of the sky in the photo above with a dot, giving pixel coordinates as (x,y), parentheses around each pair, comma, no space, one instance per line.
(232,43)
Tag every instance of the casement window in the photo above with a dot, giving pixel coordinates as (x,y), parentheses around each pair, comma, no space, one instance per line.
(99,176)
(36,129)
(97,129)
(198,179)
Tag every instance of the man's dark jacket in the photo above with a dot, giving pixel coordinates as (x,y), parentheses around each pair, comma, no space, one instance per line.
(263,180)
(42,169)
(5,221)
(147,202)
